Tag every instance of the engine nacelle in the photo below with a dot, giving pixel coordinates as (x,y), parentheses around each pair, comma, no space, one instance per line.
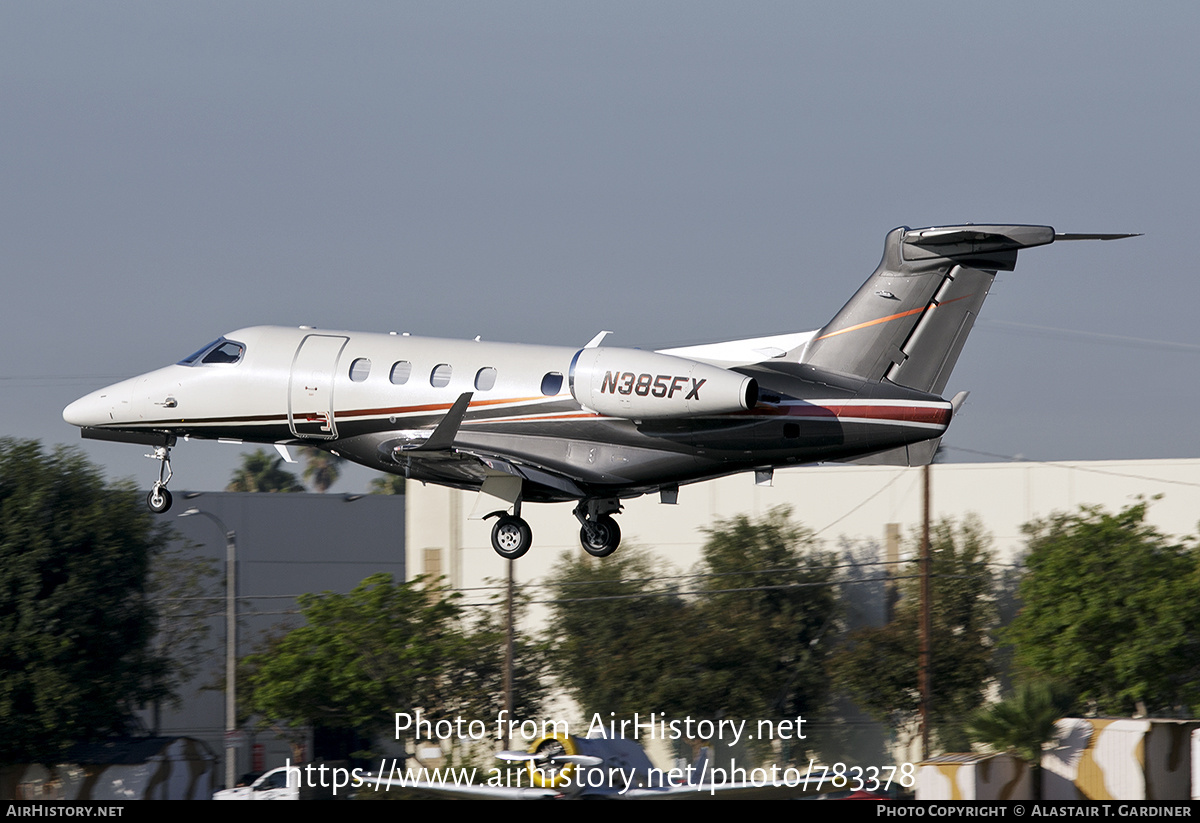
(638,384)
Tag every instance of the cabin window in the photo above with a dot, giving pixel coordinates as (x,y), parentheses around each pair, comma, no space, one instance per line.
(552,383)
(400,372)
(440,376)
(359,369)
(485,378)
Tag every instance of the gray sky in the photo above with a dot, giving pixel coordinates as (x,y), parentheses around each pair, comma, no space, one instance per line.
(534,172)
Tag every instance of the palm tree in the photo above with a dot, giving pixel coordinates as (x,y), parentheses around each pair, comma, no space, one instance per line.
(262,473)
(1023,724)
(323,468)
(387,484)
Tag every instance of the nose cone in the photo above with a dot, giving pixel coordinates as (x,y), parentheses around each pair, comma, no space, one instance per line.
(87,411)
(100,408)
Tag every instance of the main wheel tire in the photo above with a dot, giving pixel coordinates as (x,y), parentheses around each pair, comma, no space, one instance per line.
(511,537)
(158,500)
(606,536)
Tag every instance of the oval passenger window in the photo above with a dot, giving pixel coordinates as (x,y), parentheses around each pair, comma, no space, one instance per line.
(485,378)
(359,369)
(400,372)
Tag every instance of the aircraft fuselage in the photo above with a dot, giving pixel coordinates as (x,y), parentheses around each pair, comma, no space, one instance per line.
(595,424)
(374,398)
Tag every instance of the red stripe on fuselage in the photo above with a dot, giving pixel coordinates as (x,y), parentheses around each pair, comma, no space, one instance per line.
(929,415)
(901,414)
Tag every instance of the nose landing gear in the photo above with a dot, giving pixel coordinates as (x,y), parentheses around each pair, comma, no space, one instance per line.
(159,499)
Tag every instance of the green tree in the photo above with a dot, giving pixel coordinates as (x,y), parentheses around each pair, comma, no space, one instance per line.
(321,469)
(481,683)
(75,624)
(1023,724)
(260,472)
(879,666)
(749,640)
(385,647)
(1109,608)
(182,589)
(623,641)
(771,606)
(386,484)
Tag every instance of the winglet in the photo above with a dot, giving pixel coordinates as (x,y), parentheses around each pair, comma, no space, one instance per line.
(443,436)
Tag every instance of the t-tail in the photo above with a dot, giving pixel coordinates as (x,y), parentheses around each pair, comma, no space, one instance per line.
(909,321)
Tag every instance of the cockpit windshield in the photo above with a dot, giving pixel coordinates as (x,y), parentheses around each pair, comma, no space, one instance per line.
(218,351)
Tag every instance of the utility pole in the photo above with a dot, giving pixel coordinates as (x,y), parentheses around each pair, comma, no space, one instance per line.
(509,651)
(232,734)
(925,666)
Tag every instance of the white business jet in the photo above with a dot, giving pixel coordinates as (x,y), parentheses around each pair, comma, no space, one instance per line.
(596,424)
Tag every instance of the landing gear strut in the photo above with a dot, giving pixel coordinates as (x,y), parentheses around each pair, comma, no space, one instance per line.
(511,536)
(599,533)
(159,499)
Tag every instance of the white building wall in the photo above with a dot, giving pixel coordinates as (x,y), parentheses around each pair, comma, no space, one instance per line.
(842,504)
(851,502)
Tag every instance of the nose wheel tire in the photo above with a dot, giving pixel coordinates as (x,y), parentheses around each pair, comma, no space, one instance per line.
(602,538)
(158,500)
(511,537)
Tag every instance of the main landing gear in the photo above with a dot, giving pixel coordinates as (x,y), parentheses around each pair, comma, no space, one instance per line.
(511,536)
(599,533)
(159,499)
(602,538)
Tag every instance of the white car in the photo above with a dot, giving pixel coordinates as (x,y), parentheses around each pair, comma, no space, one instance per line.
(271,786)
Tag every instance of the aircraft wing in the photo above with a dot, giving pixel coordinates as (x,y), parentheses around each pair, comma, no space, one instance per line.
(467,466)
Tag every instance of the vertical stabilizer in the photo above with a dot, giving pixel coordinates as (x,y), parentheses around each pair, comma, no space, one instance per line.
(907,324)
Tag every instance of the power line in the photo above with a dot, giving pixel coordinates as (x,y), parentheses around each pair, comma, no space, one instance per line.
(1099,337)
(1073,466)
(864,502)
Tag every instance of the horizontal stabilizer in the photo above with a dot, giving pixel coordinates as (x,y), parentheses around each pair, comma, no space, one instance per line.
(1095,236)
(964,241)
